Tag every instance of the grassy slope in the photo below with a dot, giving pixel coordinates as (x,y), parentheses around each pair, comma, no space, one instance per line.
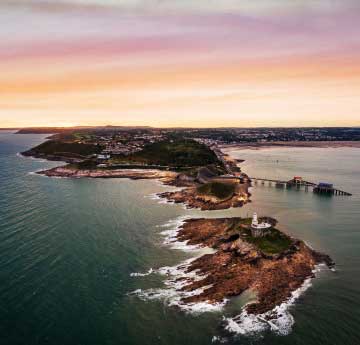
(217,189)
(273,243)
(177,153)
(53,147)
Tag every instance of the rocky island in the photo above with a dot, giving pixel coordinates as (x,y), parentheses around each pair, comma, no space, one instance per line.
(272,264)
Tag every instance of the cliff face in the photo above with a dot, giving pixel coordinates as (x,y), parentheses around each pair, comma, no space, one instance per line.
(239,265)
(192,199)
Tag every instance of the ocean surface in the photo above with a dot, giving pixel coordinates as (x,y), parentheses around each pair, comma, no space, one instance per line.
(73,253)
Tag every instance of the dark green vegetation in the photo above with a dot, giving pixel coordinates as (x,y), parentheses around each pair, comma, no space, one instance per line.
(173,153)
(219,190)
(274,242)
(59,148)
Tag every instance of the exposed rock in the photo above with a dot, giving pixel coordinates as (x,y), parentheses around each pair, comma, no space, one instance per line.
(134,174)
(239,265)
(192,199)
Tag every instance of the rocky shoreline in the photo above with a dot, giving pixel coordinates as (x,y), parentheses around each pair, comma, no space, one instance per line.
(166,177)
(188,195)
(192,199)
(238,265)
(54,157)
(290,144)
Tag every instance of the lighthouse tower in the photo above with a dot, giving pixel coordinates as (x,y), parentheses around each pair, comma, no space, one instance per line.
(258,229)
(255,222)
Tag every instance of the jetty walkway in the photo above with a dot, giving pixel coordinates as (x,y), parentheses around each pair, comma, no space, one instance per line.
(298,182)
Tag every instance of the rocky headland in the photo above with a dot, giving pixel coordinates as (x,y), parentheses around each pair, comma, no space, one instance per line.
(167,177)
(192,198)
(236,195)
(272,266)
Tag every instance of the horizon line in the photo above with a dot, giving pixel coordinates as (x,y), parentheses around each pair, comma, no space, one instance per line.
(170,127)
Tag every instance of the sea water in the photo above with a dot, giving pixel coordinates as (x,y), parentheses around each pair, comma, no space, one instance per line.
(74,252)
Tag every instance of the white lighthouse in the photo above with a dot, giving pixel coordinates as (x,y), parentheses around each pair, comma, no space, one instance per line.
(257,229)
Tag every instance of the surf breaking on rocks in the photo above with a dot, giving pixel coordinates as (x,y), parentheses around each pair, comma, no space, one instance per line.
(278,320)
(178,276)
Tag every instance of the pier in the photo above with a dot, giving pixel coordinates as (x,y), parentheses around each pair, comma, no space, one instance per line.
(298,183)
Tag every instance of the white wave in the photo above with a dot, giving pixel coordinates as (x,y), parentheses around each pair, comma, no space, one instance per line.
(175,223)
(278,320)
(164,201)
(40,160)
(172,241)
(178,276)
(185,207)
(172,293)
(158,198)
(309,245)
(219,340)
(153,196)
(36,172)
(137,274)
(172,233)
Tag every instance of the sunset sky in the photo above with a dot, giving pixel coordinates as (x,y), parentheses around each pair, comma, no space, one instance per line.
(205,63)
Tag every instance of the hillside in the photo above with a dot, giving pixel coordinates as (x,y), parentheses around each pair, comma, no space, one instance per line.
(59,148)
(173,153)
(221,191)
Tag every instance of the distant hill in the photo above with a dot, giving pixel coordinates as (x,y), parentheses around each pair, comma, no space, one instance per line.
(56,150)
(55,130)
(42,130)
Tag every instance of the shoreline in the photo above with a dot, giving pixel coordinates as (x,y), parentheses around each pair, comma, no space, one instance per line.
(208,281)
(239,265)
(291,144)
(187,195)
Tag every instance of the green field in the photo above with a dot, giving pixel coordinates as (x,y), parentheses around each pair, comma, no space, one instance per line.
(219,190)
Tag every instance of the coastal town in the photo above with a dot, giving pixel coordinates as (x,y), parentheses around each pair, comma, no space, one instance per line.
(123,134)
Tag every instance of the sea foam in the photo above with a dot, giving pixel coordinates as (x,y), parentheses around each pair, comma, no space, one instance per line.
(171,240)
(279,320)
(179,276)
(172,294)
(136,274)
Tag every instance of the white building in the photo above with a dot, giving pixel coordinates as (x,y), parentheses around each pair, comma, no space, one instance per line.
(258,229)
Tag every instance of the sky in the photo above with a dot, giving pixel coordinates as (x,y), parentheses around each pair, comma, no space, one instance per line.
(186,63)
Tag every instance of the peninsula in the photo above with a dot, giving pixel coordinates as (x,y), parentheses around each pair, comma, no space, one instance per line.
(250,254)
(210,179)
